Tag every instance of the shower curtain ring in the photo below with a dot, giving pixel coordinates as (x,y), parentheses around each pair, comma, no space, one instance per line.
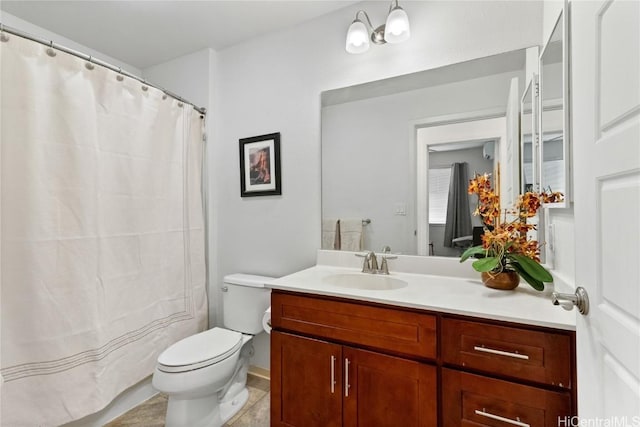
(144,85)
(50,51)
(89,65)
(120,77)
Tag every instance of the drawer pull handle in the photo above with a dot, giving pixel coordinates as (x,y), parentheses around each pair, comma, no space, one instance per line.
(333,374)
(503,419)
(346,377)
(501,353)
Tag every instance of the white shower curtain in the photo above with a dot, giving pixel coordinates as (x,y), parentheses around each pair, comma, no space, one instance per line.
(102,234)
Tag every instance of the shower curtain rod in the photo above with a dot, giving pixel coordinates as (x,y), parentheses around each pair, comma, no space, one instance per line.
(51,44)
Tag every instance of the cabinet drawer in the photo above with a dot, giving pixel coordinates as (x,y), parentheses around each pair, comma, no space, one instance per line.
(393,330)
(543,357)
(474,400)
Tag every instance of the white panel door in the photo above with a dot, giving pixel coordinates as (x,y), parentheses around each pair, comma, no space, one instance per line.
(606,143)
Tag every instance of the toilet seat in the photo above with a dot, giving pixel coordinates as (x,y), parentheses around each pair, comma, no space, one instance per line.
(200,350)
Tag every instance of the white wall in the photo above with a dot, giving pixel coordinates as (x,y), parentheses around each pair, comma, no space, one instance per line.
(366,155)
(187,76)
(34,30)
(273,84)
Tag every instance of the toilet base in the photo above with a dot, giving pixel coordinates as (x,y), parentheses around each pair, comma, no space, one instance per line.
(199,412)
(231,407)
(205,411)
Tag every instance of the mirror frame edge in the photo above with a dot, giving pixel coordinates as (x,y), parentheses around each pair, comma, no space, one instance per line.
(562,17)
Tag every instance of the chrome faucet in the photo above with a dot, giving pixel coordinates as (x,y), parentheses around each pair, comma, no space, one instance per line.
(370,264)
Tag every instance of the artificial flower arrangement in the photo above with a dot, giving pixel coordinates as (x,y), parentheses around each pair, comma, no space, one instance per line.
(505,246)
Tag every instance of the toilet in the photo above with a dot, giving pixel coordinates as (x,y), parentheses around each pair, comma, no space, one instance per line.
(205,375)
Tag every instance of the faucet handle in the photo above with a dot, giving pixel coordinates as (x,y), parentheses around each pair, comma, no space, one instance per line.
(384,267)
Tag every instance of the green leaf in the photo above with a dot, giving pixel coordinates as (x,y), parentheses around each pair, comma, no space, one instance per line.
(473,250)
(532,268)
(486,264)
(535,284)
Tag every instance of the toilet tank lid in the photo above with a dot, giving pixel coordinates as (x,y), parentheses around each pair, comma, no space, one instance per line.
(247,280)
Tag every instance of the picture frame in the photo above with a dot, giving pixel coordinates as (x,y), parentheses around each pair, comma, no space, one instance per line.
(260,165)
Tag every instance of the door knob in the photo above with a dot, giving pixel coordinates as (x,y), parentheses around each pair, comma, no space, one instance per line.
(579,299)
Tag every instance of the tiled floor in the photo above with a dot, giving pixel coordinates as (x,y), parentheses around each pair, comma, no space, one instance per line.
(255,412)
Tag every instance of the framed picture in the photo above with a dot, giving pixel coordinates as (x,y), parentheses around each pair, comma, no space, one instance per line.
(260,165)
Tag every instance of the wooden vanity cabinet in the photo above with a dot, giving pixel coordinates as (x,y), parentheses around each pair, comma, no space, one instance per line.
(336,362)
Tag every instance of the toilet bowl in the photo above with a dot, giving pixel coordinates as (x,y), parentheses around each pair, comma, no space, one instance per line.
(205,375)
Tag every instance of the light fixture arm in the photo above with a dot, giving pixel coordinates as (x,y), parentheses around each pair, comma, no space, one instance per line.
(377,34)
(368,22)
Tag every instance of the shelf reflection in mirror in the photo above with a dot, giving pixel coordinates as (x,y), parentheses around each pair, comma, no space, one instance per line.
(369,154)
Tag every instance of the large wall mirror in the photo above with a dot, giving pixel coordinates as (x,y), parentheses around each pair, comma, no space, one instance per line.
(376,166)
(554,114)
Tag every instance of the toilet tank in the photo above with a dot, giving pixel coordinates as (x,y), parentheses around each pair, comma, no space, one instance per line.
(245,299)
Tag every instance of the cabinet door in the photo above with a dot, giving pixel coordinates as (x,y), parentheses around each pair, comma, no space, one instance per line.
(387,391)
(306,382)
(474,400)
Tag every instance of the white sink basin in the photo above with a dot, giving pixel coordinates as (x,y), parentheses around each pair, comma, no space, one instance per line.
(365,281)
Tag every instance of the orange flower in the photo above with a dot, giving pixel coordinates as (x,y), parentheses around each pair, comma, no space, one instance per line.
(510,237)
(529,204)
(554,197)
(480,184)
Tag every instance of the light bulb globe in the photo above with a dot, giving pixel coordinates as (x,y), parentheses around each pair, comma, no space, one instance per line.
(397,28)
(357,37)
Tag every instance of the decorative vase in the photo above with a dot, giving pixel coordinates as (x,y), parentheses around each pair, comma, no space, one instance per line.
(505,280)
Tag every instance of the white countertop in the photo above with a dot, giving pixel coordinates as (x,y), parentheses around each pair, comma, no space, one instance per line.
(455,295)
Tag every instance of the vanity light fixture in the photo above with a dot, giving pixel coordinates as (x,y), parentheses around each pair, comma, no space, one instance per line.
(395,30)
